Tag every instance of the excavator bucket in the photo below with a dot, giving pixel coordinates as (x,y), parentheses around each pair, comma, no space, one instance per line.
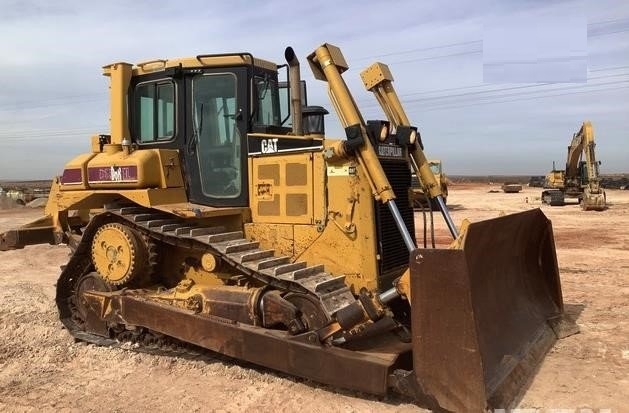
(486,313)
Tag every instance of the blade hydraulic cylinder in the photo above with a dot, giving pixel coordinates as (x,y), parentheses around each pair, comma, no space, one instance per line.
(378,79)
(327,63)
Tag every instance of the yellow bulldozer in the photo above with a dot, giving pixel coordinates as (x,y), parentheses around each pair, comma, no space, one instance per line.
(201,220)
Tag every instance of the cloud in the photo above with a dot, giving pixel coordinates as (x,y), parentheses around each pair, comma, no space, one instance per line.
(53,91)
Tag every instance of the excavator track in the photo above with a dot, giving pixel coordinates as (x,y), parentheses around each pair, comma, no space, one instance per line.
(244,256)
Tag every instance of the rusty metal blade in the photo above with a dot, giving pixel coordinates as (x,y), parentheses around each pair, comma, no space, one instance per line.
(21,237)
(481,314)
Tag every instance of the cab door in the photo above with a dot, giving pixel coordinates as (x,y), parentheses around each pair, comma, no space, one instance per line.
(215,149)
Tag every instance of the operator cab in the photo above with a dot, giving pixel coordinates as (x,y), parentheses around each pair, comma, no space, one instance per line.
(205,107)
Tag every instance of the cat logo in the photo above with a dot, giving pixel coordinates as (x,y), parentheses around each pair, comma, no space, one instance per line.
(390,151)
(116,173)
(269,145)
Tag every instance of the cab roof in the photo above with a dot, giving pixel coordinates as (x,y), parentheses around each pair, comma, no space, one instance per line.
(208,60)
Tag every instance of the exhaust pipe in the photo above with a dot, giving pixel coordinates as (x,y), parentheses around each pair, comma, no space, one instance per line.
(120,74)
(295,89)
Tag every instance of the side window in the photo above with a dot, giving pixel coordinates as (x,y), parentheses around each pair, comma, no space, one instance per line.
(268,102)
(286,114)
(154,111)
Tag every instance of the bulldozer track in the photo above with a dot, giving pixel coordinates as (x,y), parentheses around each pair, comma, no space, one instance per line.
(245,257)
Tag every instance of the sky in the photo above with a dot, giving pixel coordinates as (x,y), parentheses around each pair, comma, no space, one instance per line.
(495,87)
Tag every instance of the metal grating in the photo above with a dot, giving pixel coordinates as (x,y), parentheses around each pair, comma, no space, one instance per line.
(391,246)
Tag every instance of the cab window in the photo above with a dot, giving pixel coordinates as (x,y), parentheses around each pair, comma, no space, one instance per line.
(215,112)
(268,109)
(154,111)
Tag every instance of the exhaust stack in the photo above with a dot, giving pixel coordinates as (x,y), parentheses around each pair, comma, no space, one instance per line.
(120,74)
(295,89)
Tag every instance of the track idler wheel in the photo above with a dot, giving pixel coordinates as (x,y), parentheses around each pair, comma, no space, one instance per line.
(88,282)
(119,254)
(313,316)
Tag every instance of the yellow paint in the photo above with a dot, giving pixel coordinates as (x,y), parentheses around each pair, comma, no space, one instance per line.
(120,75)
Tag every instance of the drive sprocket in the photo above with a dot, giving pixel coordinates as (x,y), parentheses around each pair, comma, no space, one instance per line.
(119,254)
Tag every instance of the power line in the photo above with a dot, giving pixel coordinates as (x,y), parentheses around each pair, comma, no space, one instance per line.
(517,87)
(70,97)
(605,69)
(67,139)
(429,109)
(624,19)
(68,102)
(423,110)
(82,132)
(488,91)
(536,60)
(48,133)
(525,87)
(421,59)
(606,33)
(444,46)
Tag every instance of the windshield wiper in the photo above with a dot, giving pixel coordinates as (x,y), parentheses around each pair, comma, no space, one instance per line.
(196,132)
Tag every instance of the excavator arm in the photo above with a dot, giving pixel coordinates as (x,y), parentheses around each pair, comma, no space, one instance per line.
(590,158)
(575,151)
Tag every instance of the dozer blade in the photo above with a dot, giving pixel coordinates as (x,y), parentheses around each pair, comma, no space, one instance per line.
(483,316)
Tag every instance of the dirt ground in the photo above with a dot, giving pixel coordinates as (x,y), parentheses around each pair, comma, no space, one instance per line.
(43,369)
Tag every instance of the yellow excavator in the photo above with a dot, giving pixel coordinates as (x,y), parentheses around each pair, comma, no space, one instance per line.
(581,178)
(419,197)
(201,220)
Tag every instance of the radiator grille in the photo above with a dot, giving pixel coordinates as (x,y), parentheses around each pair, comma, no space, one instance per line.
(393,252)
